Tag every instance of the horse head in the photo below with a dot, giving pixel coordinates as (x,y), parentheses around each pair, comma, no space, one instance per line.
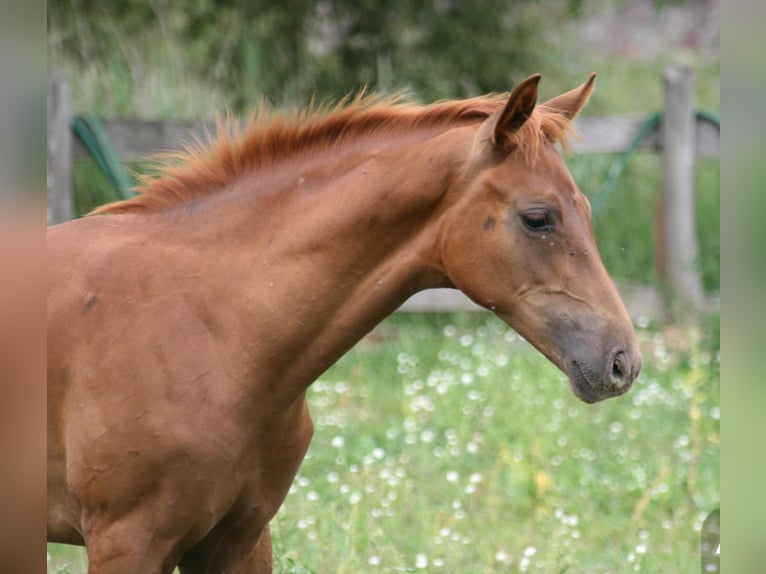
(519,241)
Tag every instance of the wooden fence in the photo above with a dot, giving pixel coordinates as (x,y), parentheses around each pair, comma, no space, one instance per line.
(679,137)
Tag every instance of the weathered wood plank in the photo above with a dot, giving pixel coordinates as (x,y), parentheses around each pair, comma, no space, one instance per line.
(135,140)
(644,302)
(60,204)
(707,140)
(677,242)
(613,134)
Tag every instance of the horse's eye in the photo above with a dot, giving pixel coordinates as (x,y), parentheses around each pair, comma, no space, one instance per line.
(536,220)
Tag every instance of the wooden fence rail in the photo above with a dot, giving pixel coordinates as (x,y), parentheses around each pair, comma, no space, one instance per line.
(680,137)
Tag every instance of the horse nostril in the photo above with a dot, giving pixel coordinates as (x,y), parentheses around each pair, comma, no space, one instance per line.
(619,374)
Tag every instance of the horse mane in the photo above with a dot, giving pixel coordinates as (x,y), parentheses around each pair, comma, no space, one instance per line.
(271,137)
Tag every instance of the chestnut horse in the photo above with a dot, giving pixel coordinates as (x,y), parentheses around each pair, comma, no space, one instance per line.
(186,324)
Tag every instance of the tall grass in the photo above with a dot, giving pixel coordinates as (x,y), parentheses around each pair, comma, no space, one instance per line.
(463,451)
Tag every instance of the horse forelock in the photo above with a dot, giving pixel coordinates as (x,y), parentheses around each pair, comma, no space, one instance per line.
(545,124)
(270,138)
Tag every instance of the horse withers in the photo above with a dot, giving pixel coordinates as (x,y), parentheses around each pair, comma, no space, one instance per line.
(185,325)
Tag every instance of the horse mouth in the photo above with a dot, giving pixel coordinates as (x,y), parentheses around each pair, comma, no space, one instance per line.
(581,385)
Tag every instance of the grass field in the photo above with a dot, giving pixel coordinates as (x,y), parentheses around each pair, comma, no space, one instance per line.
(446,444)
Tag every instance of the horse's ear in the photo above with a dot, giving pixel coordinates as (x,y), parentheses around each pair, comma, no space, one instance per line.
(570,103)
(520,105)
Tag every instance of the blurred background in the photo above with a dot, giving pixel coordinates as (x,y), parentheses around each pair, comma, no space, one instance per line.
(466,452)
(166,58)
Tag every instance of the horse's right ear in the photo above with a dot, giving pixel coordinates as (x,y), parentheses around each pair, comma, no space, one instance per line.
(517,110)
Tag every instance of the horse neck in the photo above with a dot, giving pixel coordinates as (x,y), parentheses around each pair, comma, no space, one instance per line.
(323,250)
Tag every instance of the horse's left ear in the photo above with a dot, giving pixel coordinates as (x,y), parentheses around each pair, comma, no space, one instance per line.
(517,110)
(570,103)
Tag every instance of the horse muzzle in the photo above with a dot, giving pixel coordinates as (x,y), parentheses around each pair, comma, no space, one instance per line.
(595,379)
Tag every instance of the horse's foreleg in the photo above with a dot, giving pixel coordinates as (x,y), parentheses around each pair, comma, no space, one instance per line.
(262,559)
(234,552)
(123,547)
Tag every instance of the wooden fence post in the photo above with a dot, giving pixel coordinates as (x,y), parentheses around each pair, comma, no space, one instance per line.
(60,203)
(677,251)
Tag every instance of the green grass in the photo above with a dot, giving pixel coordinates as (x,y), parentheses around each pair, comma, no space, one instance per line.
(445,444)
